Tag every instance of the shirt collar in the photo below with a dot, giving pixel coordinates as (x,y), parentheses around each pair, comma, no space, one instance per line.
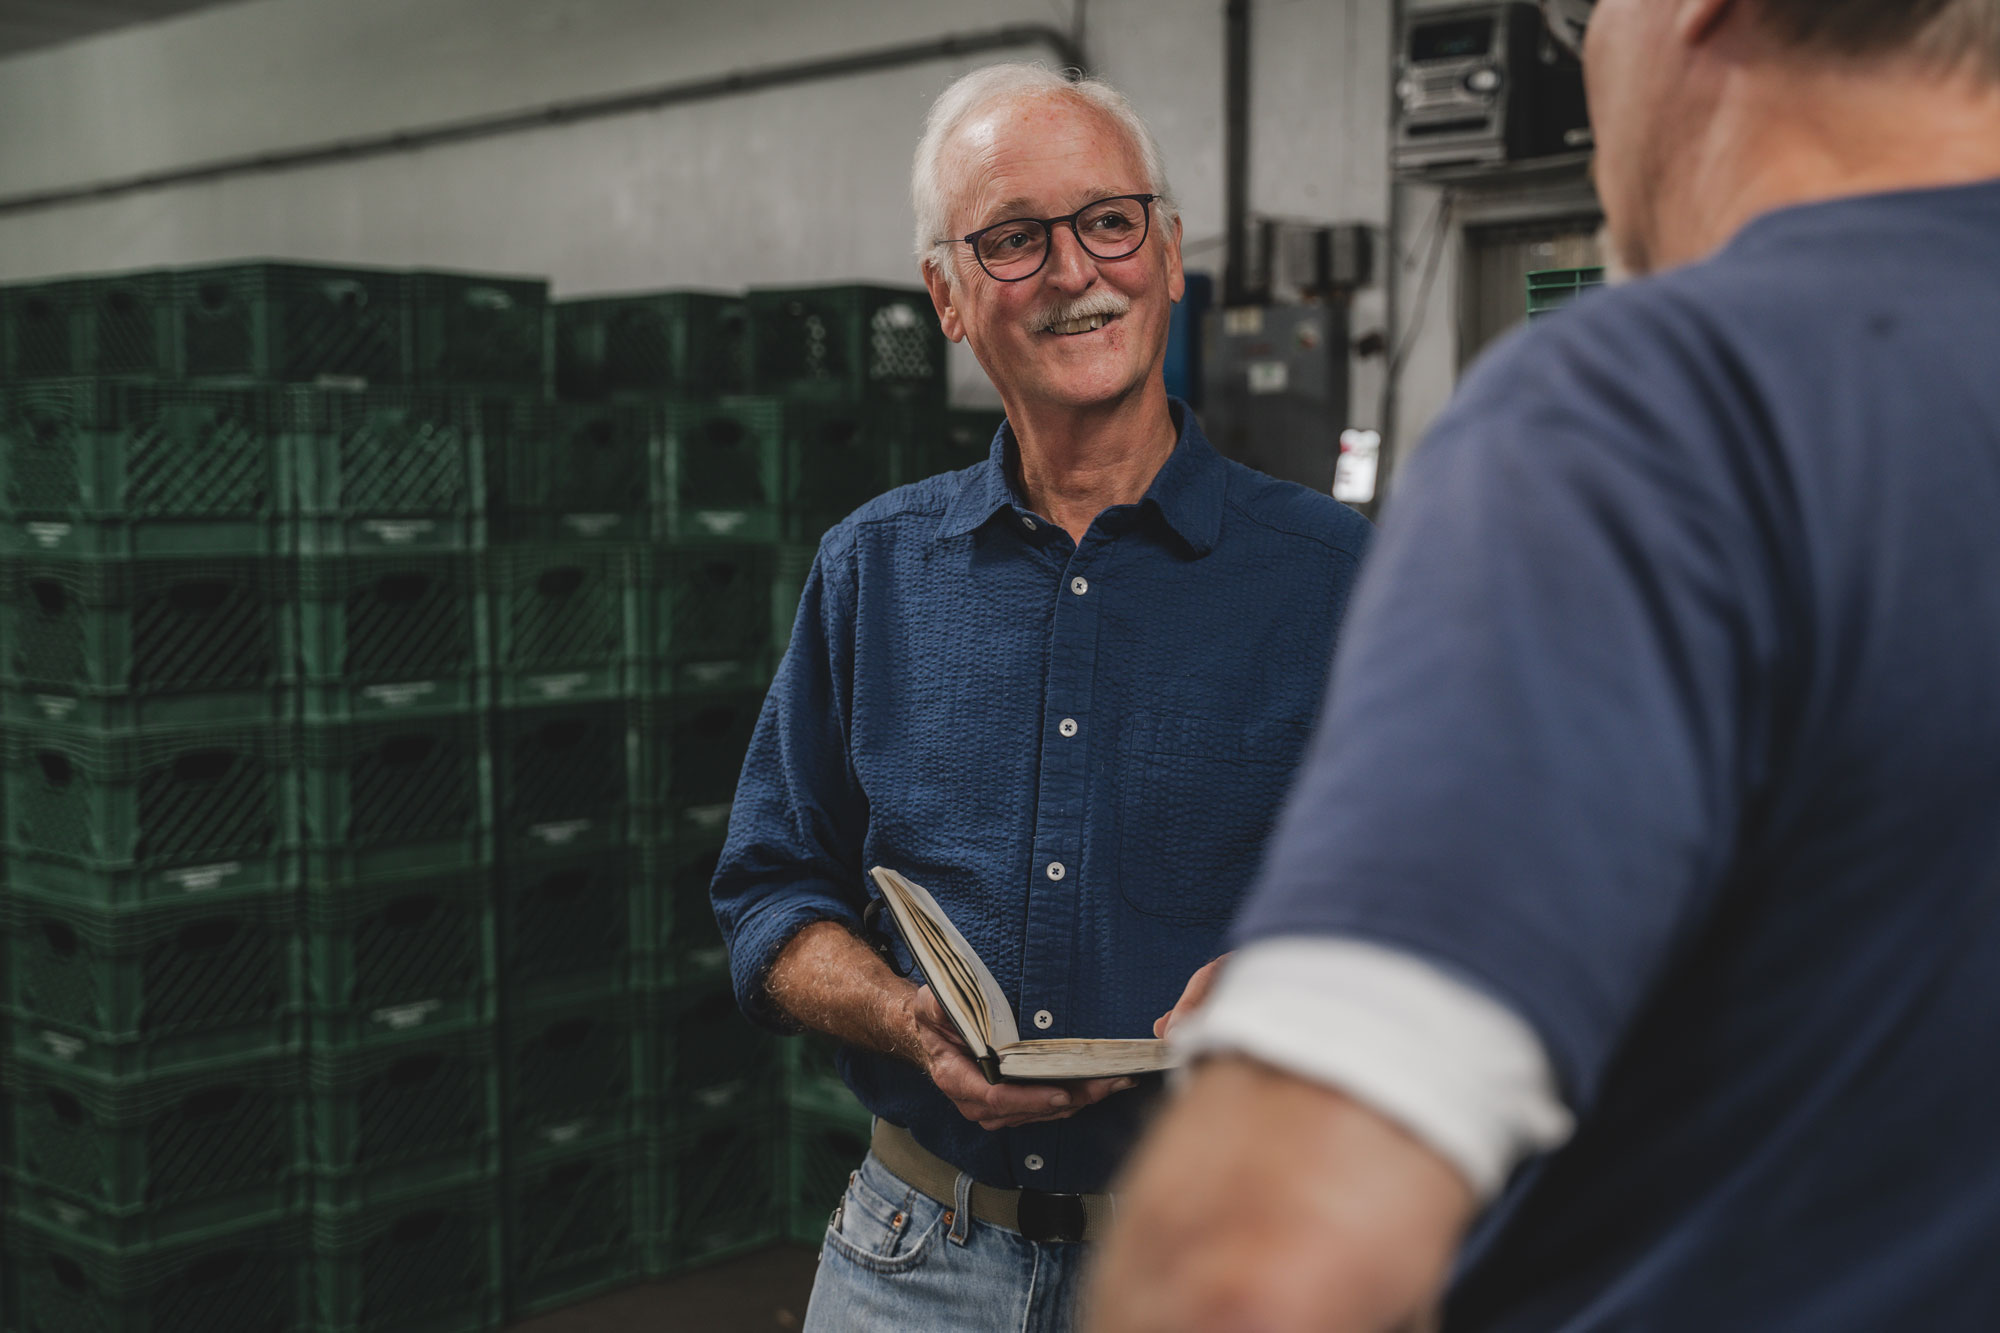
(1186,493)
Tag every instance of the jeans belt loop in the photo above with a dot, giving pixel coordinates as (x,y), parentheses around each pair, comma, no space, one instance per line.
(961,1210)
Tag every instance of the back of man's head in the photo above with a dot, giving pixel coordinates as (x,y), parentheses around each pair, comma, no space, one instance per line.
(1944,31)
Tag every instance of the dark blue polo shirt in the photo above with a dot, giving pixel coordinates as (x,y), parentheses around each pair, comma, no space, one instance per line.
(1078,749)
(1669,713)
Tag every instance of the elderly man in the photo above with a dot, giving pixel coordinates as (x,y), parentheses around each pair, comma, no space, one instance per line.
(1065,690)
(1658,787)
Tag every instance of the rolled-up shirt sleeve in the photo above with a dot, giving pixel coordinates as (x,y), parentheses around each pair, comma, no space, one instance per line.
(793,855)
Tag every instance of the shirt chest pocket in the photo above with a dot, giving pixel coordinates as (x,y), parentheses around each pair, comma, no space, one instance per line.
(1197,797)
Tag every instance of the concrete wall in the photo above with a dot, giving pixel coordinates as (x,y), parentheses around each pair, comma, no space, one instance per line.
(802,184)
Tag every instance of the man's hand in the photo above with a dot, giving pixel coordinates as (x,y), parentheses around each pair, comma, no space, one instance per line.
(1196,994)
(1263,1202)
(992,1105)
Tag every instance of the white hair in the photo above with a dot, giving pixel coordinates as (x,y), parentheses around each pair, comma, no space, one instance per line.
(990,86)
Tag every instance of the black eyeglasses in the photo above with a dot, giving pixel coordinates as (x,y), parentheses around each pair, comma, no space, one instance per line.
(1015,250)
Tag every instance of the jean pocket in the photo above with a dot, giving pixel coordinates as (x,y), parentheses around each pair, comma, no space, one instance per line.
(1198,797)
(882,1224)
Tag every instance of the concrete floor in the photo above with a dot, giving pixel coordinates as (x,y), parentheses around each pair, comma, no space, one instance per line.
(764,1292)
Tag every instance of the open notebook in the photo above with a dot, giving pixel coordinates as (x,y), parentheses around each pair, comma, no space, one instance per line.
(979,1010)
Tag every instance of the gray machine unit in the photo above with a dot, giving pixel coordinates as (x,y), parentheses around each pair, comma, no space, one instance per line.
(1479,87)
(1276,388)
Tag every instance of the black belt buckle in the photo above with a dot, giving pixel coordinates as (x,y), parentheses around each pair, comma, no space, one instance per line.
(1051,1218)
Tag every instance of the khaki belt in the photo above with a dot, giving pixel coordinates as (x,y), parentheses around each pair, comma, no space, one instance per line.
(1036,1214)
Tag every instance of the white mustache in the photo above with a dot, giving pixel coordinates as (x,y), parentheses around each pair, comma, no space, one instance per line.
(1083,307)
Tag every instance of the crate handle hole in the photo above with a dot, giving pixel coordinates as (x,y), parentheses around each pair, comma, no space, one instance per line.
(62,941)
(65,1107)
(839,434)
(51,598)
(199,596)
(202,936)
(563,735)
(211,1103)
(212,295)
(411,911)
(121,301)
(67,1272)
(417,1227)
(215,1269)
(39,308)
(560,582)
(347,294)
(414,1070)
(721,573)
(204,766)
(569,1176)
(568,1035)
(565,884)
(55,767)
(402,587)
(407,751)
(725,432)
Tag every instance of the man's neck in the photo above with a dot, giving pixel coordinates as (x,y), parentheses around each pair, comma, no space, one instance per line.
(1818,132)
(1075,464)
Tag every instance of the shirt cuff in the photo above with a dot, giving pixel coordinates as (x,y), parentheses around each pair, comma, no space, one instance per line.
(1444,1060)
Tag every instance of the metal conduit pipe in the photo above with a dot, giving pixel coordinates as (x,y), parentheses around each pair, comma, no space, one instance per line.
(563,113)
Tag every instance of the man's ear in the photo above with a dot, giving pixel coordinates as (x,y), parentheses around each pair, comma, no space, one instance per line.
(945,301)
(1699,20)
(1176,275)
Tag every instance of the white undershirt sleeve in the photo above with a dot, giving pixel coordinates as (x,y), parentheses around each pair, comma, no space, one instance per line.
(1444,1060)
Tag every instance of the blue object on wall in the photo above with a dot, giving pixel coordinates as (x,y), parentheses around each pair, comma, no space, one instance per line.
(1184,339)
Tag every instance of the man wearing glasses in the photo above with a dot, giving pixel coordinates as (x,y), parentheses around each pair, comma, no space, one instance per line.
(1064,690)
(1654,826)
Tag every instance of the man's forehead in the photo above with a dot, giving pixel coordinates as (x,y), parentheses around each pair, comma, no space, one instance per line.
(1040,157)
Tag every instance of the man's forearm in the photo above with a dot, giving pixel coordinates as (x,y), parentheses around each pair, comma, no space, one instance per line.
(832,982)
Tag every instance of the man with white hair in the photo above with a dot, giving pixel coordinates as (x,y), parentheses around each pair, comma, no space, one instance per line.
(1655,818)
(1064,690)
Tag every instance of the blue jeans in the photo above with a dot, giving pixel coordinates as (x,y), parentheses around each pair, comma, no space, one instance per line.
(891,1261)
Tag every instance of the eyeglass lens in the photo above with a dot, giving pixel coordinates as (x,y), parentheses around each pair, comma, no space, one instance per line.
(1109,229)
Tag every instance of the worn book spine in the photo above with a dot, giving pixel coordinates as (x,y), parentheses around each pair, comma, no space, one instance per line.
(989,1065)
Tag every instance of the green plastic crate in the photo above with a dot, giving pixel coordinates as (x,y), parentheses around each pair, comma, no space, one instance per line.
(711,1059)
(293,322)
(720,1192)
(791,565)
(573,1224)
(565,621)
(385,957)
(561,777)
(691,749)
(384,1116)
(822,1151)
(813,1085)
(134,469)
(146,1161)
(115,644)
(477,329)
(116,990)
(720,471)
(965,440)
(568,471)
(672,911)
(571,1071)
(377,469)
(396,796)
(693,343)
(1552,289)
(706,614)
(126,818)
(847,342)
(840,456)
(430,1261)
(385,635)
(566,923)
(247,1277)
(117,324)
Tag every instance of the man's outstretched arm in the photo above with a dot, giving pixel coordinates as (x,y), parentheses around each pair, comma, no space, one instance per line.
(1264,1203)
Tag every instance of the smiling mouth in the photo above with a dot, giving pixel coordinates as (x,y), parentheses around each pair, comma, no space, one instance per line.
(1088,324)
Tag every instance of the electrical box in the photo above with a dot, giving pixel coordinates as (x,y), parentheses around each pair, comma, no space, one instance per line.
(1484,87)
(1277,385)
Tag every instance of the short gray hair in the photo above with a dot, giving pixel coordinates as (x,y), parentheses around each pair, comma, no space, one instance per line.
(987,87)
(1946,31)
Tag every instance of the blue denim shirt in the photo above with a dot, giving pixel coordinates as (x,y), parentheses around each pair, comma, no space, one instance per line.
(1079,749)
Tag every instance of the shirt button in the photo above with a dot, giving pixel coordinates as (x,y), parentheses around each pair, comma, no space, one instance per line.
(1079,585)
(1027,523)
(1067,726)
(1033,1161)
(1056,870)
(1044,1019)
